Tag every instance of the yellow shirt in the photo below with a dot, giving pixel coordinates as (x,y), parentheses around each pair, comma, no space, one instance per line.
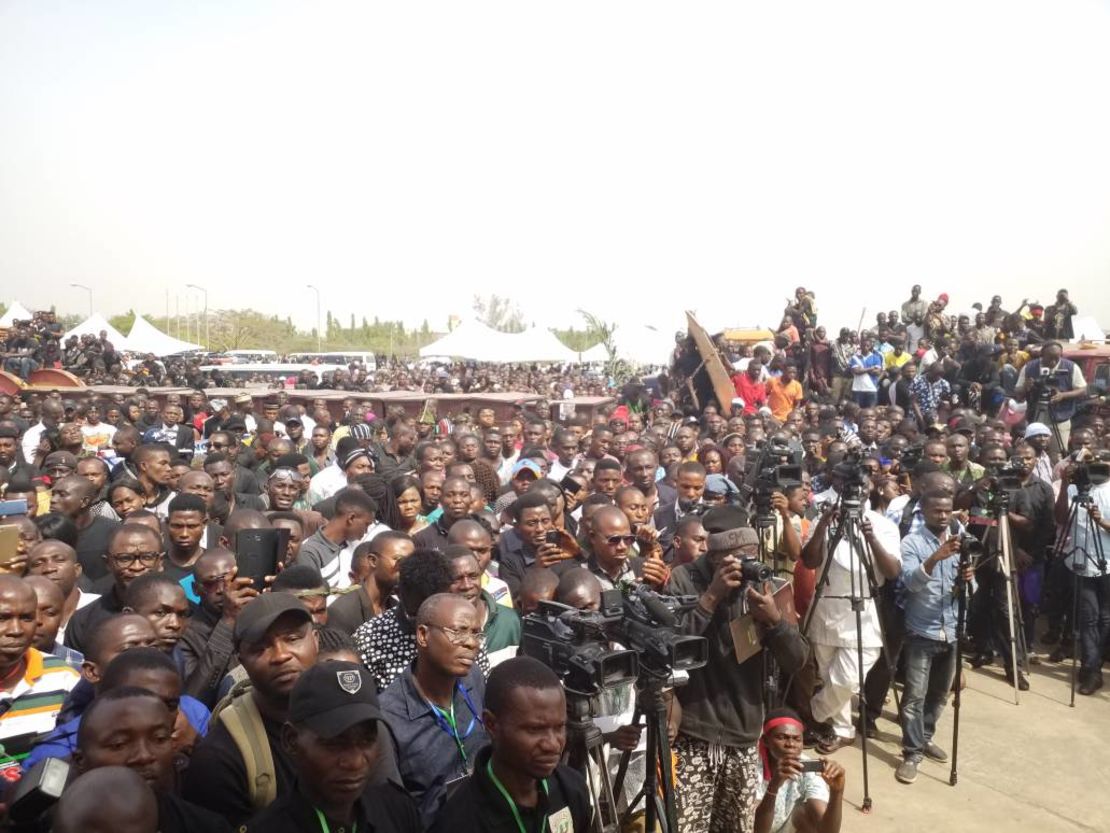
(782,398)
(893,362)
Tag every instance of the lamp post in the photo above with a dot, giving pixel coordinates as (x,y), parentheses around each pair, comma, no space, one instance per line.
(319,349)
(87,289)
(207,342)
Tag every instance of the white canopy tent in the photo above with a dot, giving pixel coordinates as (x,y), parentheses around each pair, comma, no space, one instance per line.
(146,338)
(16,312)
(94,324)
(539,344)
(471,340)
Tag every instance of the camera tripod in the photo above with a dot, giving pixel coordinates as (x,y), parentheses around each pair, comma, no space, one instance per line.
(585,751)
(861,579)
(1079,557)
(1040,407)
(660,812)
(766,527)
(1003,553)
(961,624)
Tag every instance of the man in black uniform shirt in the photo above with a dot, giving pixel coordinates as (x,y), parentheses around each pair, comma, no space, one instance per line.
(332,739)
(518,783)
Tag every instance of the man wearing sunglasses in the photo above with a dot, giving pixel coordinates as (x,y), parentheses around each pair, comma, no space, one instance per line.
(434,708)
(611,558)
(133,550)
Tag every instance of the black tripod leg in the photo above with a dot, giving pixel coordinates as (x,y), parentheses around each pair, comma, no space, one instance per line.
(866,807)
(1074,634)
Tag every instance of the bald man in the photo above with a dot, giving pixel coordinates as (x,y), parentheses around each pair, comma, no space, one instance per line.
(113,799)
(74,496)
(34,684)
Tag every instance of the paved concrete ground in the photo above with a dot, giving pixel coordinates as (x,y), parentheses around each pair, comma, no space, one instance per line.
(1040,766)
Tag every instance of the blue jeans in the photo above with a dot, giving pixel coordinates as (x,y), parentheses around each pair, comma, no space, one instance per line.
(21,366)
(865,399)
(1094,623)
(930,668)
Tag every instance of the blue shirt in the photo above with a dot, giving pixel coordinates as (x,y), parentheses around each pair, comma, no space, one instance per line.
(931,608)
(428,754)
(1081,549)
(62,742)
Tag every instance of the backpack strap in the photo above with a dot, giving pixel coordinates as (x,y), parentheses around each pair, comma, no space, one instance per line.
(240,716)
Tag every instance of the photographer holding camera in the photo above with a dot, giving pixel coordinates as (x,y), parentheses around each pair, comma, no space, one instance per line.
(1082,556)
(1054,382)
(931,579)
(832,626)
(718,772)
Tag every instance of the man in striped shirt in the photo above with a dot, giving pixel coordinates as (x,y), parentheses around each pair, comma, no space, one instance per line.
(33,685)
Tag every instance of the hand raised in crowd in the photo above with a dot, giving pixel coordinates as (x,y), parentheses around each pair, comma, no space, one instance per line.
(762,605)
(237,594)
(780,504)
(550,554)
(655,572)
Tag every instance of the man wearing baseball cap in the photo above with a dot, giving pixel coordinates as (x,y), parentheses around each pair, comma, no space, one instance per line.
(331,737)
(241,766)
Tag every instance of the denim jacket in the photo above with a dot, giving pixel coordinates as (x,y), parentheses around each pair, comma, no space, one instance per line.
(930,601)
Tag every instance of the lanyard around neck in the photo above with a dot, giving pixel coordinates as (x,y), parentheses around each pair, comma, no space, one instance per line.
(509,799)
(326,828)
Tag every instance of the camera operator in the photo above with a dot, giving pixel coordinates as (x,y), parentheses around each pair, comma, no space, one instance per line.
(833,624)
(722,705)
(1092,578)
(930,576)
(1056,382)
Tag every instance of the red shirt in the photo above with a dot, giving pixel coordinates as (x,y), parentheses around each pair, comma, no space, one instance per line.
(754,393)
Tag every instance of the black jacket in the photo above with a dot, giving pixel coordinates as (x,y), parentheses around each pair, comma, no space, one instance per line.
(723,702)
(477,806)
(382,809)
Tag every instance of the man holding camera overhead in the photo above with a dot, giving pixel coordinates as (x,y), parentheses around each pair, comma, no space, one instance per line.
(718,771)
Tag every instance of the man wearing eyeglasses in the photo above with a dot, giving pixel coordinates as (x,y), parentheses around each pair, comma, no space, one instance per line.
(133,550)
(434,708)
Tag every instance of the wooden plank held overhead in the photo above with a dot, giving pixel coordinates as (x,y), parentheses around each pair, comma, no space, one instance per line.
(719,375)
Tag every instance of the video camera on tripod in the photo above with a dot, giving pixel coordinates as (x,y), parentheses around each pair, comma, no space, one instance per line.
(1086,475)
(772,471)
(1002,482)
(575,644)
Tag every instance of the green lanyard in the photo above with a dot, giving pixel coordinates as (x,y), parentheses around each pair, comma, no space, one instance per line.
(324,828)
(509,799)
(449,716)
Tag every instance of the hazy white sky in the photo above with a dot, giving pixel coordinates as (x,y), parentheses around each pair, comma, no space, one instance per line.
(634,158)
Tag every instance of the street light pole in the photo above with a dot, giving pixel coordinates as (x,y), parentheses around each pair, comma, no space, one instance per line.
(87,289)
(319,349)
(207,342)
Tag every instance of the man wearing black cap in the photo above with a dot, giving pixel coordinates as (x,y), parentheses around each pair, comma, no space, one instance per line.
(9,452)
(331,738)
(351,461)
(518,783)
(718,764)
(241,766)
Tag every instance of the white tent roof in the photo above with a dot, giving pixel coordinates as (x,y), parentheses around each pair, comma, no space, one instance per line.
(94,324)
(16,312)
(597,353)
(146,338)
(471,340)
(539,344)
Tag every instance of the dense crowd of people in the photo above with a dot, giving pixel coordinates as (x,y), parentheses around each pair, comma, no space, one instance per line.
(370,675)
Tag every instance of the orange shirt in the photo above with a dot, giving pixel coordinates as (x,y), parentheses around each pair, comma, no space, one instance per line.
(782,398)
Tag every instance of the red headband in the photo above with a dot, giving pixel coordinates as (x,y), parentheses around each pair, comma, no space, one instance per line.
(781,721)
(767,727)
